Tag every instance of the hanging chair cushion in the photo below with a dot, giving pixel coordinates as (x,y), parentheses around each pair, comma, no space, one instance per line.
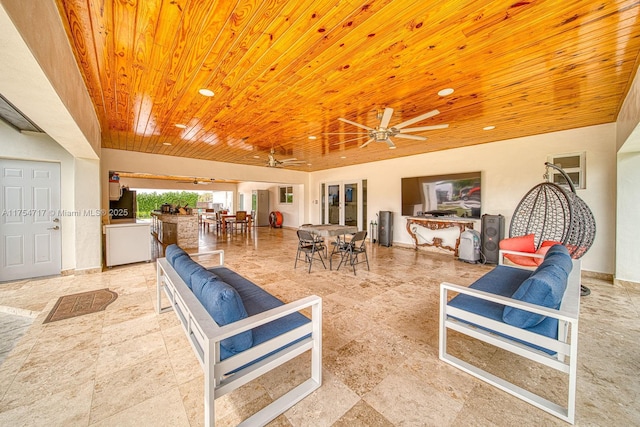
(544,287)
(520,244)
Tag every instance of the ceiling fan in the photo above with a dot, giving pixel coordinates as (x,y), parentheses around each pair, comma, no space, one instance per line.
(272,162)
(383,132)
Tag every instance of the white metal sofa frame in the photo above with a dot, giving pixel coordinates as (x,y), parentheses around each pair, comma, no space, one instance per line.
(566,344)
(205,336)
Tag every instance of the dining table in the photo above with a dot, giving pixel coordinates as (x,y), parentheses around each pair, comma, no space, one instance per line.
(224,219)
(337,231)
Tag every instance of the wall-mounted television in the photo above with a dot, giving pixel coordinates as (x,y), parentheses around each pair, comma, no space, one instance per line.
(455,194)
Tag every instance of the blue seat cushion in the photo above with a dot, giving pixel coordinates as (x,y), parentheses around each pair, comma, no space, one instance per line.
(504,281)
(257,300)
(224,305)
(185,267)
(172,252)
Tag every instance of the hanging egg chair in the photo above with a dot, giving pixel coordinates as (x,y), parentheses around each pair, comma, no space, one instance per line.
(551,213)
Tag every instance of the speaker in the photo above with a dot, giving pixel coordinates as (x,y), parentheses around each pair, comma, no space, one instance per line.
(385,228)
(492,233)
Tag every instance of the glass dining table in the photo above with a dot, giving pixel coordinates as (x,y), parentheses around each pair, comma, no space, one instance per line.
(331,230)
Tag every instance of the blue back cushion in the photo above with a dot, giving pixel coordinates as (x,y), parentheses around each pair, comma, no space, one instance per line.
(544,287)
(185,267)
(224,305)
(557,255)
(173,252)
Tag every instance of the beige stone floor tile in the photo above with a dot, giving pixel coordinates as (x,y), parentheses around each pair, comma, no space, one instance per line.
(362,415)
(128,353)
(162,410)
(117,391)
(130,329)
(69,407)
(407,400)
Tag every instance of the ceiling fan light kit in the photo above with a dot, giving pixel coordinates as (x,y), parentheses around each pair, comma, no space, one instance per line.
(383,132)
(272,162)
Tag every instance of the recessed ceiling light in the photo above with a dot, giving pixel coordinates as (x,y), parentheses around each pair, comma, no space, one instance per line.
(256,157)
(206,92)
(166,143)
(488,128)
(308,164)
(343,157)
(445,92)
(313,137)
(393,147)
(180,125)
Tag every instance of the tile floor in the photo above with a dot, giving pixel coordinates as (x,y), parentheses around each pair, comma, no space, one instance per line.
(129,366)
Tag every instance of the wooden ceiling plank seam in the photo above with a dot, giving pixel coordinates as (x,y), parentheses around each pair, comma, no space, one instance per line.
(167,70)
(76,22)
(272,63)
(359,39)
(163,42)
(147,25)
(275,84)
(237,41)
(196,57)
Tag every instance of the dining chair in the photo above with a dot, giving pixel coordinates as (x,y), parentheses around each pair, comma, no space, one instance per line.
(308,246)
(241,220)
(317,238)
(350,251)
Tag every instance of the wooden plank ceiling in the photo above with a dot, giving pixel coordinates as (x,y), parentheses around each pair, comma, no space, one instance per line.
(285,71)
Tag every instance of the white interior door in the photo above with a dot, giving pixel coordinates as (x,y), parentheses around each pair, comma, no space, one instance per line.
(30,223)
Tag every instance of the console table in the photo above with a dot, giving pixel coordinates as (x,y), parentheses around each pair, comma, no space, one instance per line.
(437,223)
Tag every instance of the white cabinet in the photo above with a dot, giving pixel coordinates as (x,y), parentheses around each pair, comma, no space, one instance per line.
(127,243)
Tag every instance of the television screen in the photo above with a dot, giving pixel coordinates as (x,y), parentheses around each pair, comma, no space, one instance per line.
(452,194)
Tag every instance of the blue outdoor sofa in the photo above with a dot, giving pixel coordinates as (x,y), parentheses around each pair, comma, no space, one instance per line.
(238,331)
(532,313)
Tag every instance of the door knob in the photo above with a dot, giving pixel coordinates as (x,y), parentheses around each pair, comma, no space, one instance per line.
(54,228)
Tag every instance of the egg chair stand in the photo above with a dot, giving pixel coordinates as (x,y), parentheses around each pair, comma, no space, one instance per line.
(551,213)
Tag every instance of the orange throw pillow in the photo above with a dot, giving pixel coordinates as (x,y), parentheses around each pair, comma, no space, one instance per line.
(520,244)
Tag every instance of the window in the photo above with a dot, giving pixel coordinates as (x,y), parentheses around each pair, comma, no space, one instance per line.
(573,164)
(286,194)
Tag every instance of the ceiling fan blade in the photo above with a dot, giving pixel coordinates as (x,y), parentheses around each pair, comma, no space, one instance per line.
(367,143)
(416,137)
(417,119)
(352,139)
(386,117)
(287,160)
(421,128)
(355,124)
(293,162)
(390,144)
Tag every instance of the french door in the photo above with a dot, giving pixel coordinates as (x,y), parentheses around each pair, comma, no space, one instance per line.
(343,203)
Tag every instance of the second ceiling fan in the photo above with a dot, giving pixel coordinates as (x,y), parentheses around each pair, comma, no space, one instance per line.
(384,132)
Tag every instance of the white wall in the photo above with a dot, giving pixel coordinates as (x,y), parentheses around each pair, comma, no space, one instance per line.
(509,169)
(292,214)
(628,198)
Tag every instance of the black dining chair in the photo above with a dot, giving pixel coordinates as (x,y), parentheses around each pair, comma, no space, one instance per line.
(351,250)
(309,246)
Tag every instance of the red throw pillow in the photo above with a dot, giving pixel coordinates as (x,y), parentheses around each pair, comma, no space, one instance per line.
(543,249)
(520,244)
